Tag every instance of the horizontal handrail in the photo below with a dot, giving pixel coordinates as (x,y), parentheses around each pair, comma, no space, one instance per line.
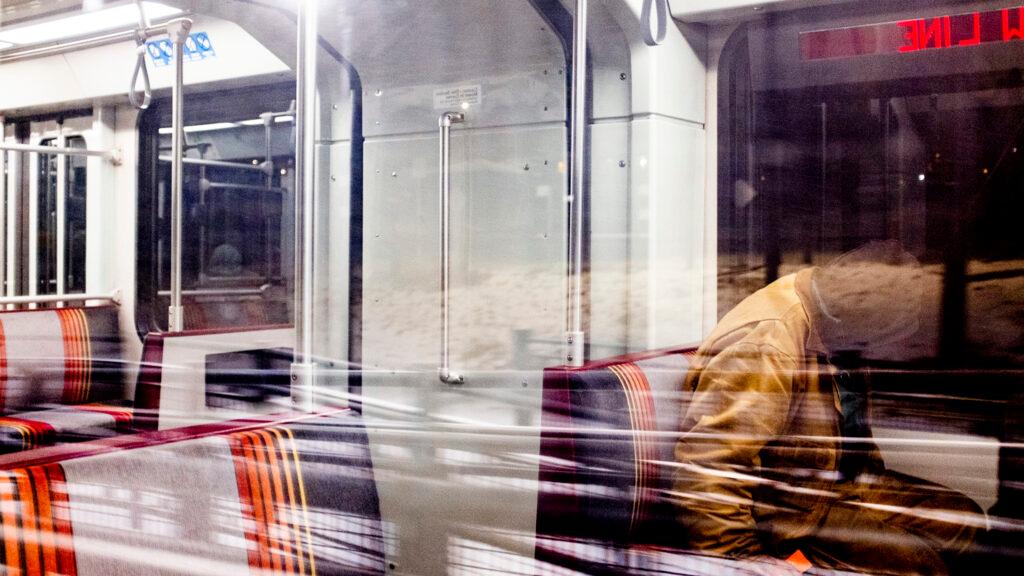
(112,298)
(220,164)
(207,185)
(222,291)
(114,155)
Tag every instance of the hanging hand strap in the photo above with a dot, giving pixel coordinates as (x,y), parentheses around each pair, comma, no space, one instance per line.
(654,20)
(143,70)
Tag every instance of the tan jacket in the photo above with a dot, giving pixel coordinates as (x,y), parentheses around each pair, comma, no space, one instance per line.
(760,444)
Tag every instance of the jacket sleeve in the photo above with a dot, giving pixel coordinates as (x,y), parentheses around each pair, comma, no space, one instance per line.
(740,402)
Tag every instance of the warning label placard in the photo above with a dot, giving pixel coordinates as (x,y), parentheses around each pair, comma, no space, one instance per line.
(457,98)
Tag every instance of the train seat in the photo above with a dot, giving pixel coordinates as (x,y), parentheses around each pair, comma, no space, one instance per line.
(609,431)
(227,313)
(200,376)
(286,496)
(61,376)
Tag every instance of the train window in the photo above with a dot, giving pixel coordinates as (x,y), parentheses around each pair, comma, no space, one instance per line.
(898,127)
(74,220)
(821,155)
(236,265)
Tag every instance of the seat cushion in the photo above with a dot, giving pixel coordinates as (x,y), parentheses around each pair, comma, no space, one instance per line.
(294,497)
(609,431)
(64,356)
(58,424)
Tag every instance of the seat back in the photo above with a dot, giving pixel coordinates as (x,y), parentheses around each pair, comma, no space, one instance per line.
(59,356)
(609,431)
(188,378)
(270,497)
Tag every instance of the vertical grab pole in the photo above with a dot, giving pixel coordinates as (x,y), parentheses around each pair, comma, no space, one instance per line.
(574,337)
(11,218)
(3,210)
(445,188)
(305,165)
(178,31)
(62,210)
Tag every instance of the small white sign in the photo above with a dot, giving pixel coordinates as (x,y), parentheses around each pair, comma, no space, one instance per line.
(458,98)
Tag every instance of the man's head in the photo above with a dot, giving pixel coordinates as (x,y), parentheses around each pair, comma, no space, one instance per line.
(868,297)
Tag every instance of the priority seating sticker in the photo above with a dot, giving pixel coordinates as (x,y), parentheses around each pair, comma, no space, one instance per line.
(198,46)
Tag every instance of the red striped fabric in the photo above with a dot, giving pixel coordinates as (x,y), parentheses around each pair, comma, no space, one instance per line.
(36,522)
(643,421)
(77,355)
(270,486)
(3,367)
(122,416)
(33,433)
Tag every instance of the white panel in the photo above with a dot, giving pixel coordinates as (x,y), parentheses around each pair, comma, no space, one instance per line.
(667,239)
(609,243)
(508,247)
(508,235)
(667,79)
(122,199)
(100,207)
(107,70)
(332,285)
(183,384)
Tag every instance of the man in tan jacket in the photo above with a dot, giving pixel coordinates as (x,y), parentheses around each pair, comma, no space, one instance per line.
(776,455)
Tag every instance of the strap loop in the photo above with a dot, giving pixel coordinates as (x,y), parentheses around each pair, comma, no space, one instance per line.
(654,21)
(140,68)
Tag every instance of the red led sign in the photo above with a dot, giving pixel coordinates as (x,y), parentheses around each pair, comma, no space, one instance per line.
(915,35)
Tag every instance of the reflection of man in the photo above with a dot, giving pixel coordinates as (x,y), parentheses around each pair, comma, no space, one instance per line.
(776,455)
(226,261)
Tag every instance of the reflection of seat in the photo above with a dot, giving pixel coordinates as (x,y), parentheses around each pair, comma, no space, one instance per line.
(609,435)
(60,376)
(211,375)
(290,497)
(234,313)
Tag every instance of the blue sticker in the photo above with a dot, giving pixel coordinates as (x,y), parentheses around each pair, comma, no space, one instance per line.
(197,47)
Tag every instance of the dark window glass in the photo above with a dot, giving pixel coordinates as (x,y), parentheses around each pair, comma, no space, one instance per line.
(74,220)
(931,156)
(237,190)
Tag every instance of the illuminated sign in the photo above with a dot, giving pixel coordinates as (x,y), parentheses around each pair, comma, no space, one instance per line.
(197,47)
(932,33)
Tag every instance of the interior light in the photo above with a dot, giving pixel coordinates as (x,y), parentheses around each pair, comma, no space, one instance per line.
(83,23)
(4,45)
(920,177)
(283,119)
(202,128)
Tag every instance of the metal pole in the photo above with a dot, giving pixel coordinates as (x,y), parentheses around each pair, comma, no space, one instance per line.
(574,337)
(3,209)
(13,203)
(112,298)
(113,155)
(305,163)
(218,164)
(444,165)
(268,162)
(178,33)
(61,223)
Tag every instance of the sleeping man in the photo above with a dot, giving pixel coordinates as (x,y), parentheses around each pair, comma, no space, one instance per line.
(776,455)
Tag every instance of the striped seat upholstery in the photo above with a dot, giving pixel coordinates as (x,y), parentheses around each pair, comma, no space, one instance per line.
(65,356)
(56,367)
(609,431)
(263,498)
(28,430)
